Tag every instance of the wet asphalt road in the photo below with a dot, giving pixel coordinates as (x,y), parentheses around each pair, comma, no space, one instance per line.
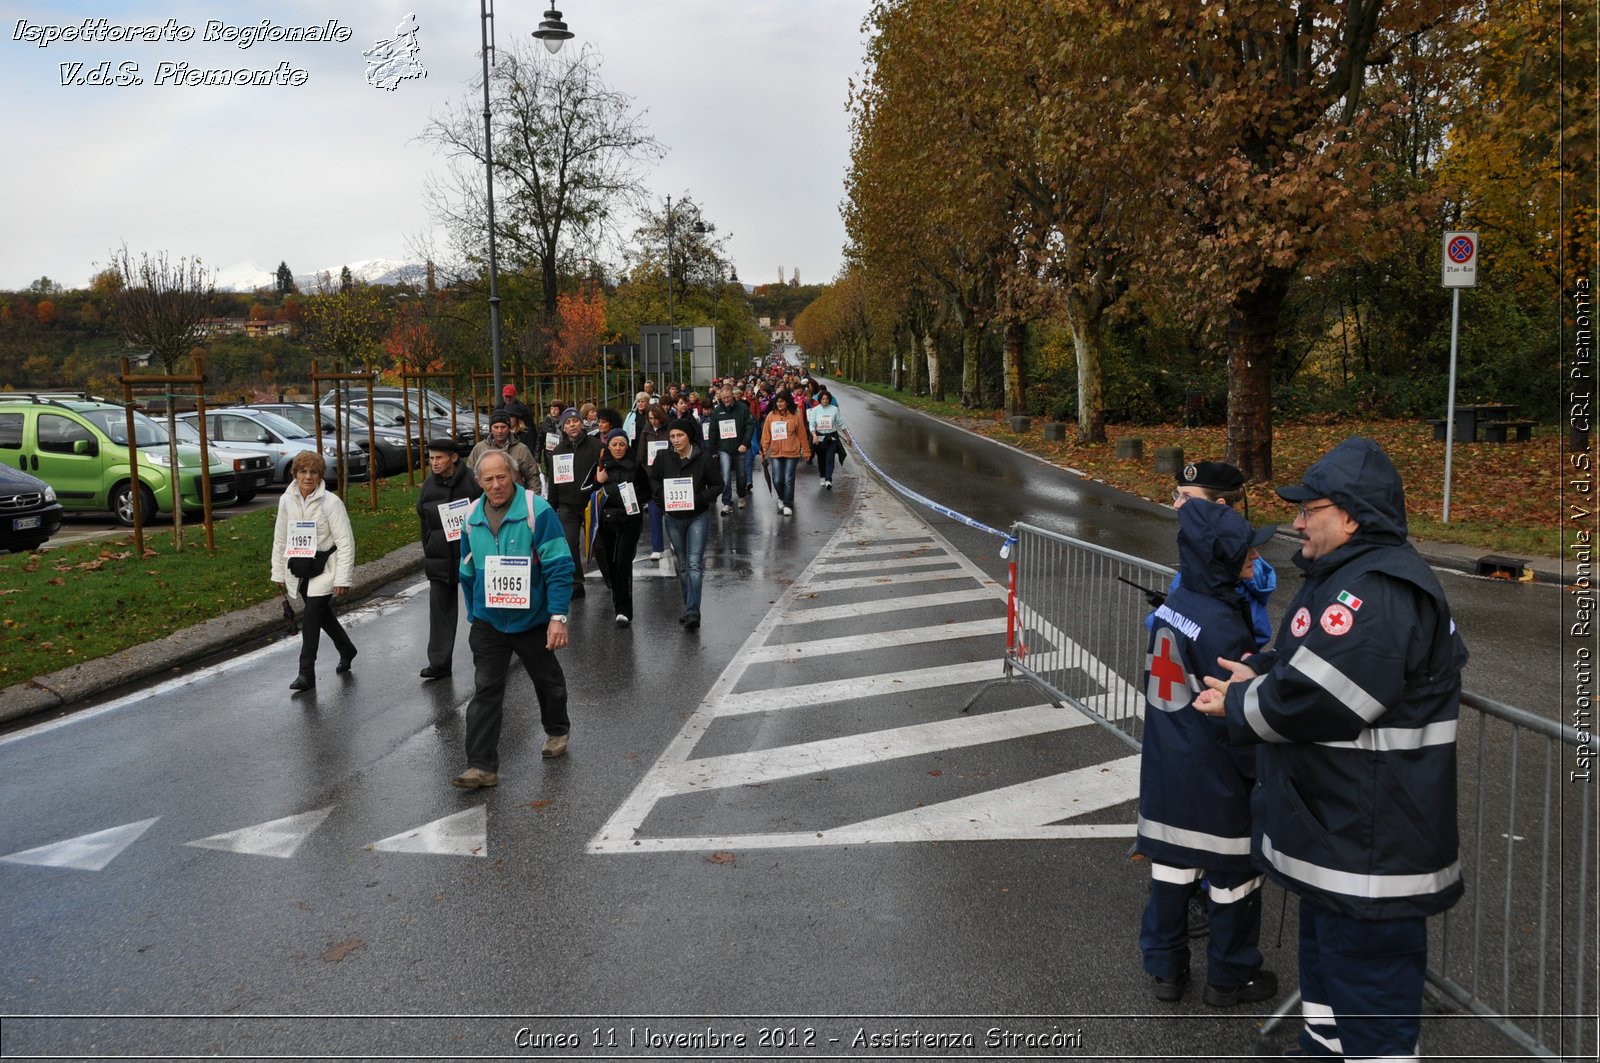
(813,835)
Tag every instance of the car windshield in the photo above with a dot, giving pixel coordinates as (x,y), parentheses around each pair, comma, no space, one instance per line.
(394,409)
(352,418)
(281,425)
(114,423)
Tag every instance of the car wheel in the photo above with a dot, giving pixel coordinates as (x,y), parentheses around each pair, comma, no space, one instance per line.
(245,496)
(122,504)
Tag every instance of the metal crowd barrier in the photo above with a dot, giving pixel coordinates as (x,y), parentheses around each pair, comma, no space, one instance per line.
(1516,951)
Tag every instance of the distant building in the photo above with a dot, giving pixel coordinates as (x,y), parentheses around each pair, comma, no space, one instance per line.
(226,326)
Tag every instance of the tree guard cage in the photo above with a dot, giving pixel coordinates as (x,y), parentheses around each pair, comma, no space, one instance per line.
(165,381)
(419,378)
(369,378)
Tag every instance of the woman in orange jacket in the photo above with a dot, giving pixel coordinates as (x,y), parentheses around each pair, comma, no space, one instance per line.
(785,442)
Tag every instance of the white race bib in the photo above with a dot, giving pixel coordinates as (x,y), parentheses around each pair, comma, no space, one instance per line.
(652,448)
(680,494)
(302,539)
(824,422)
(705,430)
(563,468)
(508,582)
(630,499)
(780,429)
(727,429)
(550,440)
(453,515)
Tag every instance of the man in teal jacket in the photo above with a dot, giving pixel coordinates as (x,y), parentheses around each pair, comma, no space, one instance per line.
(516,576)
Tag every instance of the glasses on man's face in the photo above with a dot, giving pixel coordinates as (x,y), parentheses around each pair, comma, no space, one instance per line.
(1306,511)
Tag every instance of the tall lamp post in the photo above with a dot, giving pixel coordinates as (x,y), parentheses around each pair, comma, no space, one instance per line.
(553,32)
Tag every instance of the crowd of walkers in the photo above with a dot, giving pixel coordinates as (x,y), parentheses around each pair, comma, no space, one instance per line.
(516,528)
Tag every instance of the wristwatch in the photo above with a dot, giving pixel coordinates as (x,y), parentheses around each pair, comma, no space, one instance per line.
(559,616)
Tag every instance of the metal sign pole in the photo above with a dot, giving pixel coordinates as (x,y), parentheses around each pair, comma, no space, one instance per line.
(1450,403)
(1458,268)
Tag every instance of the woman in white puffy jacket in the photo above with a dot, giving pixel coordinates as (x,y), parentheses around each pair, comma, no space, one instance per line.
(313,526)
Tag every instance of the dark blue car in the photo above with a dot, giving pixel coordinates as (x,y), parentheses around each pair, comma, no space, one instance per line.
(29,512)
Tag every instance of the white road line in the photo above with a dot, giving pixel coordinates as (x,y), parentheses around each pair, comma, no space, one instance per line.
(814,839)
(86,852)
(890,553)
(811,695)
(279,838)
(815,586)
(462,834)
(887,564)
(882,640)
(792,615)
(783,762)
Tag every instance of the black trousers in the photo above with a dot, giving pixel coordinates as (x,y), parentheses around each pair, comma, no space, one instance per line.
(444,603)
(319,618)
(491,660)
(572,524)
(619,540)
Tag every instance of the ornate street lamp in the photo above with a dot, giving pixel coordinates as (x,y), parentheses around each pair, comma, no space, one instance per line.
(553,32)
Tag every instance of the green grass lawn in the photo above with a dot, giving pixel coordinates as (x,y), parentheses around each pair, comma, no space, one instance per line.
(85,600)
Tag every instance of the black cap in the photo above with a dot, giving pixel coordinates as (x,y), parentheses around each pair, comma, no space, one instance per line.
(500,417)
(1211,475)
(444,445)
(688,426)
(1262,534)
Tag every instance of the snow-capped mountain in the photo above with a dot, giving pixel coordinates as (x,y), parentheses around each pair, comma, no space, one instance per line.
(248,276)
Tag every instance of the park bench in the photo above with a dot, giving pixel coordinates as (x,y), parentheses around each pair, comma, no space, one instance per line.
(1498,431)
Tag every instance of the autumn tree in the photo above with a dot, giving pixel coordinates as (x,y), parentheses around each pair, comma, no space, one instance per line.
(284,279)
(159,306)
(580,327)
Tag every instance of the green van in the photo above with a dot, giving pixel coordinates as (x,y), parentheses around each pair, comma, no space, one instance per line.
(80,448)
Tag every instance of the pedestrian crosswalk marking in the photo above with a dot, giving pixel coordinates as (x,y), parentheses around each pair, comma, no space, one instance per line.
(829,754)
(279,837)
(887,565)
(793,615)
(87,852)
(462,834)
(824,693)
(879,640)
(887,579)
(1037,809)
(921,548)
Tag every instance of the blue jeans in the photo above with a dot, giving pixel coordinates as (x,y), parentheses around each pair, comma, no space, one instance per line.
(749,458)
(732,463)
(656,515)
(783,478)
(688,539)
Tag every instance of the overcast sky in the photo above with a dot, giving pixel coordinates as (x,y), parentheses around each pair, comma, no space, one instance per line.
(747,96)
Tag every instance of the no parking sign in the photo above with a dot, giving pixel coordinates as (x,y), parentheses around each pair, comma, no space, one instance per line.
(1460,262)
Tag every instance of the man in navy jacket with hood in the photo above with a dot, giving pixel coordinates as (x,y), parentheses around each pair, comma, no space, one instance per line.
(1194,785)
(1355,710)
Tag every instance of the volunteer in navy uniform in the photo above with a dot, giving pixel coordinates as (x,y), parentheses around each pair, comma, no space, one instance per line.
(1194,785)
(447,494)
(1355,710)
(1217,481)
(516,578)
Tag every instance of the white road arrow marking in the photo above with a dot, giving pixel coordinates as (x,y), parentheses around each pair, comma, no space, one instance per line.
(280,837)
(87,852)
(463,834)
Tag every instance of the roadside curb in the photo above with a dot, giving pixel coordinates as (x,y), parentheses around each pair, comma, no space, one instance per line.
(1469,559)
(62,688)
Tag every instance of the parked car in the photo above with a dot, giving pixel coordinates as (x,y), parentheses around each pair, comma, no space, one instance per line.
(29,512)
(280,438)
(252,470)
(393,412)
(433,402)
(80,448)
(391,442)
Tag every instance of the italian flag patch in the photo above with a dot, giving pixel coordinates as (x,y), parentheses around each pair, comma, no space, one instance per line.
(1350,600)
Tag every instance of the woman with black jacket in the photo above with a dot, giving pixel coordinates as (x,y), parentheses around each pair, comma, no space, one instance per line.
(687,478)
(651,439)
(626,490)
(572,468)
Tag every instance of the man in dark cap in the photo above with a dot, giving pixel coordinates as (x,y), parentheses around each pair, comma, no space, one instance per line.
(523,463)
(1355,711)
(447,494)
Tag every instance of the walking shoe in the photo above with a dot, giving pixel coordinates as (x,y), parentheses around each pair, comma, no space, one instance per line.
(1170,990)
(726,508)
(431,672)
(344,662)
(692,621)
(743,501)
(1264,986)
(303,682)
(554,746)
(622,620)
(787,512)
(655,555)
(828,484)
(474,778)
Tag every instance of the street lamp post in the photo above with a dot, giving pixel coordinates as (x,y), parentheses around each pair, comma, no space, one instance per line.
(672,333)
(553,32)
